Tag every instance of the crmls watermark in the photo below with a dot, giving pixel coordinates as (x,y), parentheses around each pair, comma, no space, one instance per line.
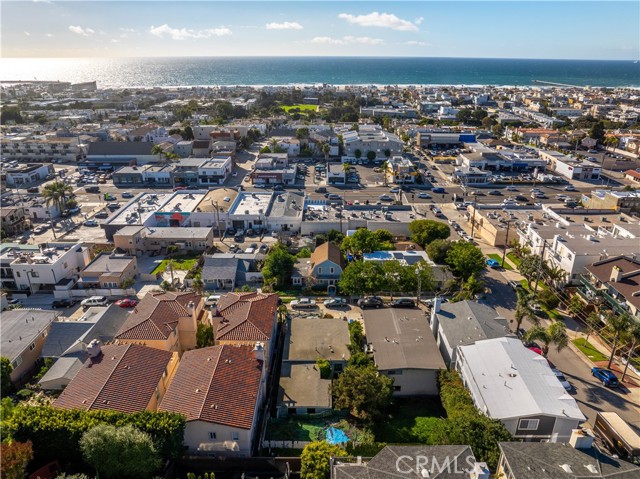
(427,466)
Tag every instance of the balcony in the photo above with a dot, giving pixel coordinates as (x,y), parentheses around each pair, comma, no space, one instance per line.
(598,296)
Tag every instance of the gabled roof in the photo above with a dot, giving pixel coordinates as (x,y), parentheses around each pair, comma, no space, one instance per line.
(402,462)
(157,315)
(466,322)
(245,316)
(629,284)
(543,460)
(219,384)
(123,378)
(21,327)
(327,251)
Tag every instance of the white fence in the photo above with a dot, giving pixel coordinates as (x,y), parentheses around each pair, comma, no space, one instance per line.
(86,293)
(284,444)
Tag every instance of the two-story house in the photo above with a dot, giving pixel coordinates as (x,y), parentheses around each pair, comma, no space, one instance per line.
(219,390)
(616,282)
(167,321)
(108,270)
(326,264)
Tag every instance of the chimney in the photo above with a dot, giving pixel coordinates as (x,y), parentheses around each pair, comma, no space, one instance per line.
(94,349)
(258,351)
(616,274)
(437,301)
(581,439)
(479,471)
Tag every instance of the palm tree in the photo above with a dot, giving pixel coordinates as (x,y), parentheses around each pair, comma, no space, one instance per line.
(617,324)
(385,166)
(555,274)
(634,334)
(57,193)
(591,323)
(556,334)
(282,313)
(274,144)
(157,150)
(523,309)
(198,285)
(611,141)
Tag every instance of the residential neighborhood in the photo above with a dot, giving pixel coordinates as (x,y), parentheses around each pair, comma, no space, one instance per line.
(345,275)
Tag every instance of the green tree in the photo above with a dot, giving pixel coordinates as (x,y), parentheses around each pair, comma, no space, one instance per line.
(591,324)
(465,259)
(597,131)
(359,359)
(361,277)
(204,335)
(119,451)
(618,325)
(197,284)
(367,241)
(158,150)
(575,306)
(188,133)
(6,369)
(437,250)
(371,155)
(611,141)
(316,458)
(529,267)
(363,391)
(278,266)
(555,333)
(265,149)
(523,309)
(357,154)
(633,334)
(548,299)
(472,287)
(324,366)
(9,114)
(424,232)
(15,458)
(302,133)
(57,193)
(356,337)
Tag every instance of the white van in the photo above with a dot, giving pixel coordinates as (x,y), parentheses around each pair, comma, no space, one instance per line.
(94,301)
(211,300)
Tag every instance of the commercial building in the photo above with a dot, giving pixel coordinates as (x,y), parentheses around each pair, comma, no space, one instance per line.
(570,167)
(27,174)
(432,138)
(119,153)
(401,170)
(622,201)
(273,169)
(370,138)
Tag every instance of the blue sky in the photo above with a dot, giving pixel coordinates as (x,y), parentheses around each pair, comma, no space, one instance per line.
(515,29)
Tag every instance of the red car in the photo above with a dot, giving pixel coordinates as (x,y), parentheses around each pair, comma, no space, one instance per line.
(178,188)
(126,303)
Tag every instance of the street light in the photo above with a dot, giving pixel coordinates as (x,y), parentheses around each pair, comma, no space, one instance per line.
(506,243)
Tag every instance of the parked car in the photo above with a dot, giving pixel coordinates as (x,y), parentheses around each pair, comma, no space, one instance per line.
(495,192)
(102,214)
(565,384)
(321,189)
(33,189)
(511,188)
(403,303)
(395,189)
(63,303)
(211,300)
(438,189)
(263,248)
(514,285)
(333,196)
(90,223)
(493,263)
(521,198)
(335,303)
(39,229)
(178,188)
(370,302)
(385,198)
(74,211)
(126,303)
(569,188)
(126,194)
(424,196)
(303,303)
(94,301)
(607,377)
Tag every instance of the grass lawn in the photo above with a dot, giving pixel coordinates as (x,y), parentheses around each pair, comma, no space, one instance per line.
(553,314)
(514,259)
(183,263)
(396,427)
(498,258)
(588,350)
(295,429)
(300,107)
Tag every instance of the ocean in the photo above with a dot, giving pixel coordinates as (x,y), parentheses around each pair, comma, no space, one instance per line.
(211,71)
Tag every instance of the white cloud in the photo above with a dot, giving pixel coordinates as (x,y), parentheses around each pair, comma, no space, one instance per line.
(113,40)
(81,31)
(418,20)
(27,33)
(416,42)
(183,33)
(348,40)
(48,35)
(283,26)
(376,19)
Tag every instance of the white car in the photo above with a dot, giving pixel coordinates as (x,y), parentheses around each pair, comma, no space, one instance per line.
(211,300)
(511,188)
(565,384)
(303,303)
(424,196)
(570,188)
(395,190)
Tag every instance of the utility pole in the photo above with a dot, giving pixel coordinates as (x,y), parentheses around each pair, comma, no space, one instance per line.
(419,281)
(506,243)
(544,246)
(473,218)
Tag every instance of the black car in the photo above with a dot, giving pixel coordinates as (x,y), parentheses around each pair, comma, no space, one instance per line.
(403,303)
(521,198)
(371,302)
(63,303)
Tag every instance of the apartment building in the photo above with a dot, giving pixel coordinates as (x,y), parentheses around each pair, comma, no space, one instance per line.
(371,138)
(40,148)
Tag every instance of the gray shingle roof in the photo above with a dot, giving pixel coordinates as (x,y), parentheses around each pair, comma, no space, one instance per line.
(219,268)
(120,148)
(20,327)
(466,322)
(544,461)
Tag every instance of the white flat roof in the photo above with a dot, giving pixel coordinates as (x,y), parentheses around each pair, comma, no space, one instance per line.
(514,381)
(182,201)
(251,203)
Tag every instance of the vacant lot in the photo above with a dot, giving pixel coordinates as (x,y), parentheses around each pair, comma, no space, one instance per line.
(403,417)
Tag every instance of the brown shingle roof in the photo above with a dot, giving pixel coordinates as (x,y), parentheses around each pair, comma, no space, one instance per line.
(219,384)
(157,315)
(123,378)
(327,251)
(245,316)
(629,284)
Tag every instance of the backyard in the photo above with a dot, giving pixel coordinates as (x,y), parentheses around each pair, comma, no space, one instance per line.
(404,415)
(182,263)
(301,428)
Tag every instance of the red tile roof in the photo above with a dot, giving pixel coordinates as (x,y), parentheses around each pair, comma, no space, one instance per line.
(633,173)
(157,315)
(123,378)
(245,317)
(219,384)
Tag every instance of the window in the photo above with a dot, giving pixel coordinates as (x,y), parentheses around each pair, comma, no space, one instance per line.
(331,270)
(17,274)
(32,346)
(212,435)
(528,424)
(393,372)
(235,436)
(397,388)
(319,270)
(35,274)
(17,362)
